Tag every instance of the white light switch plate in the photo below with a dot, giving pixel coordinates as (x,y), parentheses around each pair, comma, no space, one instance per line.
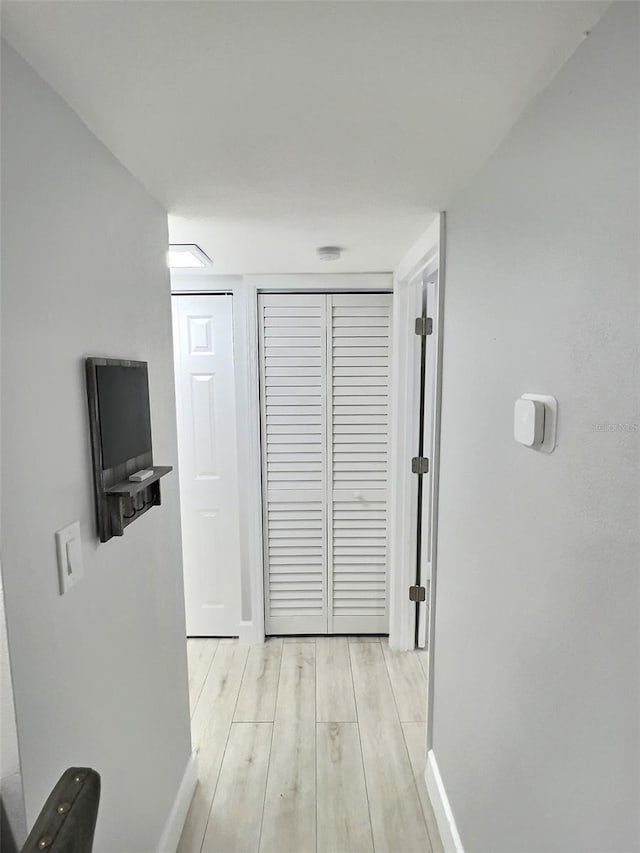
(69,551)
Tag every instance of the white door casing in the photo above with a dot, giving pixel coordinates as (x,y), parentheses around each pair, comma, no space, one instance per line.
(324,406)
(421,260)
(207,452)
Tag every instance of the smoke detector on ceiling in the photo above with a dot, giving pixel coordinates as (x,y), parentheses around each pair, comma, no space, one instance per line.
(329,253)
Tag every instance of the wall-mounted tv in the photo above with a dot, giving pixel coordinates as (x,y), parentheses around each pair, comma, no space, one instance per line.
(120,425)
(123,412)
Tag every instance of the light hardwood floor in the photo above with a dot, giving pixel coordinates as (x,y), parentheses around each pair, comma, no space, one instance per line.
(308,745)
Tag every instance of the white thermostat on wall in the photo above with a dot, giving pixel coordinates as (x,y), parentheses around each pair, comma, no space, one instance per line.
(534,421)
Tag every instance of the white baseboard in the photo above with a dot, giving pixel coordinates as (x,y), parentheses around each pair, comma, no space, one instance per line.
(441,807)
(175,822)
(250,634)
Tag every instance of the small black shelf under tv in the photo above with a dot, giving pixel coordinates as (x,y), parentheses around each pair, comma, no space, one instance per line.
(120,424)
(129,488)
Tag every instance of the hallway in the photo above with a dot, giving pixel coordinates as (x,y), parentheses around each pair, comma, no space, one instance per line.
(308,744)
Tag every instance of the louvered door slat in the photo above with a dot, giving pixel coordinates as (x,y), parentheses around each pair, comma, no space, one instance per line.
(359,403)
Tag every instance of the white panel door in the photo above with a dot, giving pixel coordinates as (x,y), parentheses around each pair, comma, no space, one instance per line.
(293,403)
(324,395)
(205,396)
(359,336)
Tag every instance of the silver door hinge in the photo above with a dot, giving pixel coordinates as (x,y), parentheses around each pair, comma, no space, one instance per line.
(424,326)
(417,593)
(420,465)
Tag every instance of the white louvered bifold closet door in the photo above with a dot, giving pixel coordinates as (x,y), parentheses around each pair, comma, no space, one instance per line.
(324,398)
(293,402)
(359,414)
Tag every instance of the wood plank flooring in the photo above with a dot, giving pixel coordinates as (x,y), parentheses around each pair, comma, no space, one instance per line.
(308,745)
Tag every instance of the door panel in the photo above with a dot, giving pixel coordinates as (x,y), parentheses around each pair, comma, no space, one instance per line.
(293,406)
(359,337)
(203,350)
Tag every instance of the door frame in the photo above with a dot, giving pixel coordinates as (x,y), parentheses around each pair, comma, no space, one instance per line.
(425,256)
(252,631)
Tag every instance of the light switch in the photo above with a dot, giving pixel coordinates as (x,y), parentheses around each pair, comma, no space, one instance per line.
(69,551)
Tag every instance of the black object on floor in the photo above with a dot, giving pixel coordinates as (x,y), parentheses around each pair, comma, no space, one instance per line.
(67,821)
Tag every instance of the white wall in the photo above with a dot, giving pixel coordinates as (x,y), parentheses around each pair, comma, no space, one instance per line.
(536,684)
(99,674)
(10,776)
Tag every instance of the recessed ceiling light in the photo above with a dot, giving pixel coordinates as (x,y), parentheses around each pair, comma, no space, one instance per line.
(187,256)
(329,253)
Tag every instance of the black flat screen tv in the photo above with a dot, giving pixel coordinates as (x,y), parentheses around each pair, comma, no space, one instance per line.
(123,412)
(120,432)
